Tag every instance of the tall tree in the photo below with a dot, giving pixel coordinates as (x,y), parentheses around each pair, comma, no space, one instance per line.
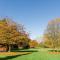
(33,44)
(52,33)
(10,34)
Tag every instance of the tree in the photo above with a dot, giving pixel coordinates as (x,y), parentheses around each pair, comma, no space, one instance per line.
(10,34)
(52,33)
(33,43)
(24,41)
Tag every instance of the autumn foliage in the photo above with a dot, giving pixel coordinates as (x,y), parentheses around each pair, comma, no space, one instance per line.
(12,33)
(52,34)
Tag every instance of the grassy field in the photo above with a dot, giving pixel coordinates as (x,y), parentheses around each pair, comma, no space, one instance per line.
(42,54)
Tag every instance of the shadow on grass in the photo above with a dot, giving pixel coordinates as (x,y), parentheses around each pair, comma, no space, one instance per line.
(27,51)
(11,57)
(54,50)
(24,50)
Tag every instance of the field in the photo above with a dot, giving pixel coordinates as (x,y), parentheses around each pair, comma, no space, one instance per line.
(32,54)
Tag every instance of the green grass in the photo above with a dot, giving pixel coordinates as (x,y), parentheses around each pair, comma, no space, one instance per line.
(42,54)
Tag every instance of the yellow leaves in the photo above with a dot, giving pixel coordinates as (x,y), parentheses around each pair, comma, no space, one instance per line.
(33,43)
(56,21)
(52,33)
(10,33)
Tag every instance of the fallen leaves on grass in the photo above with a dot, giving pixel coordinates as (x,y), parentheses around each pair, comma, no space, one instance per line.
(14,53)
(54,52)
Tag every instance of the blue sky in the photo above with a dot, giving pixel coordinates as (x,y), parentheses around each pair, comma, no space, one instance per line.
(33,14)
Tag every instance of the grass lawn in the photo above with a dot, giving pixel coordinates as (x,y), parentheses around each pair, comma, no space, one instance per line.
(42,54)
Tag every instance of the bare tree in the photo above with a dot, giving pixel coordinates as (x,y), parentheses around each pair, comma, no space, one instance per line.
(52,33)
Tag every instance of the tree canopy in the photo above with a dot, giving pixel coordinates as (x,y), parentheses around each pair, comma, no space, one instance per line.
(52,33)
(12,33)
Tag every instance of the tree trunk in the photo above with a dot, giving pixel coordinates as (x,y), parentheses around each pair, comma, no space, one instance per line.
(9,48)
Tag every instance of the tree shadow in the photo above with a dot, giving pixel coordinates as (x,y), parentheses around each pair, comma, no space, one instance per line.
(24,50)
(11,57)
(29,51)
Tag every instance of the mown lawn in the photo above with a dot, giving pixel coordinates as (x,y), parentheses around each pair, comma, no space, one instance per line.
(42,54)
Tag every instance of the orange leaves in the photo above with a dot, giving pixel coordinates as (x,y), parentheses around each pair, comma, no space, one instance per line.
(33,43)
(10,34)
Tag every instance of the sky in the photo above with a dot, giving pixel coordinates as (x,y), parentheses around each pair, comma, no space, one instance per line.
(33,14)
